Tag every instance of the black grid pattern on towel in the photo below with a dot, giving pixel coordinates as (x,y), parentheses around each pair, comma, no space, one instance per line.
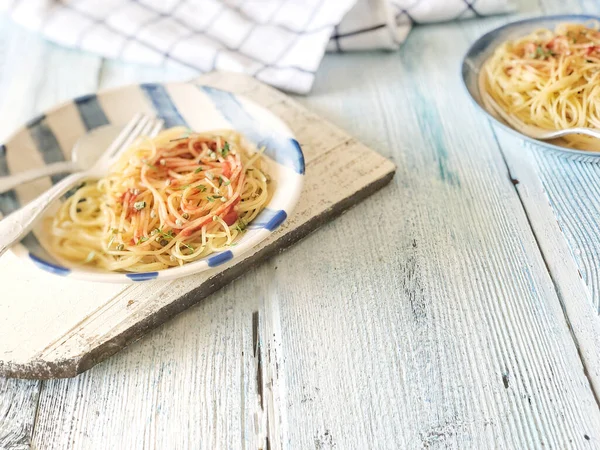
(275,40)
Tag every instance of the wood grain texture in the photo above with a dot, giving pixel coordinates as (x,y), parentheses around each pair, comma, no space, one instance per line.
(190,384)
(562,208)
(572,189)
(457,271)
(573,292)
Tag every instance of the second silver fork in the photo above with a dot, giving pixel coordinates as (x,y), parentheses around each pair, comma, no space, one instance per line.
(16,225)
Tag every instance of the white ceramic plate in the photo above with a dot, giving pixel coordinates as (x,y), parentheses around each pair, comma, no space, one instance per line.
(50,137)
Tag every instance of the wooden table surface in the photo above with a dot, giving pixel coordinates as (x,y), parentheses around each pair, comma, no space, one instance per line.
(456,308)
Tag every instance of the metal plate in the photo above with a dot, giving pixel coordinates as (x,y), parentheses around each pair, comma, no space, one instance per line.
(483,48)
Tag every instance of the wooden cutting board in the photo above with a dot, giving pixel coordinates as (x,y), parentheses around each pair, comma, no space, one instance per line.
(52,327)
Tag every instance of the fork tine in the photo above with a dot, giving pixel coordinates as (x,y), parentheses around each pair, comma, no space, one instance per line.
(158,124)
(136,132)
(146,127)
(124,134)
(146,130)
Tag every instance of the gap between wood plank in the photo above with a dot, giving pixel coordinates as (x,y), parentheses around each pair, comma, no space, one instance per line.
(556,286)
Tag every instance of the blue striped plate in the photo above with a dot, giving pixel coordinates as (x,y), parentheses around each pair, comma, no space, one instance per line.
(50,137)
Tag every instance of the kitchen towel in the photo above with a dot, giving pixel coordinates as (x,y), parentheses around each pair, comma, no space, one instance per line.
(280,42)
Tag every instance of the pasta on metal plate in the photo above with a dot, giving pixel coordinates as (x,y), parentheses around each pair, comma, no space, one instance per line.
(548,80)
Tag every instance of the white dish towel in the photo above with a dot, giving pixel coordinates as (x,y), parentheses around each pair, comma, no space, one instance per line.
(280,42)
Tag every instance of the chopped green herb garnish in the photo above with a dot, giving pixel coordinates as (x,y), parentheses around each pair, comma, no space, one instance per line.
(210,198)
(185,186)
(139,205)
(152,166)
(240,226)
(142,240)
(120,247)
(170,234)
(189,247)
(184,136)
(201,188)
(541,53)
(225,149)
(198,170)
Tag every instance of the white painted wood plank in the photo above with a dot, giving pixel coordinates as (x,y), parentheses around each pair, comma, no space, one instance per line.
(575,295)
(18,404)
(572,190)
(453,288)
(190,384)
(34,75)
(559,196)
(422,318)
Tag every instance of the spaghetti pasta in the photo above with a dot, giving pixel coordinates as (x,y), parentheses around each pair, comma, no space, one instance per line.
(548,80)
(168,201)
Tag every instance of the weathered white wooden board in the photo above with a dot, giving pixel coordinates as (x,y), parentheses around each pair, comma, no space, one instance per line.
(439,328)
(468,319)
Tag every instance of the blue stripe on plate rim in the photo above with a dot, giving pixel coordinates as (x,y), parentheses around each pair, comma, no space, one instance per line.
(163,104)
(268,219)
(219,258)
(91,112)
(49,267)
(143,276)
(93,116)
(282,149)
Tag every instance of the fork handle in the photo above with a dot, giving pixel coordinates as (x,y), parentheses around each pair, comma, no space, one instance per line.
(12,181)
(16,225)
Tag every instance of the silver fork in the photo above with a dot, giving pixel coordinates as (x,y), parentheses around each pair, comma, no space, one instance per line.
(16,225)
